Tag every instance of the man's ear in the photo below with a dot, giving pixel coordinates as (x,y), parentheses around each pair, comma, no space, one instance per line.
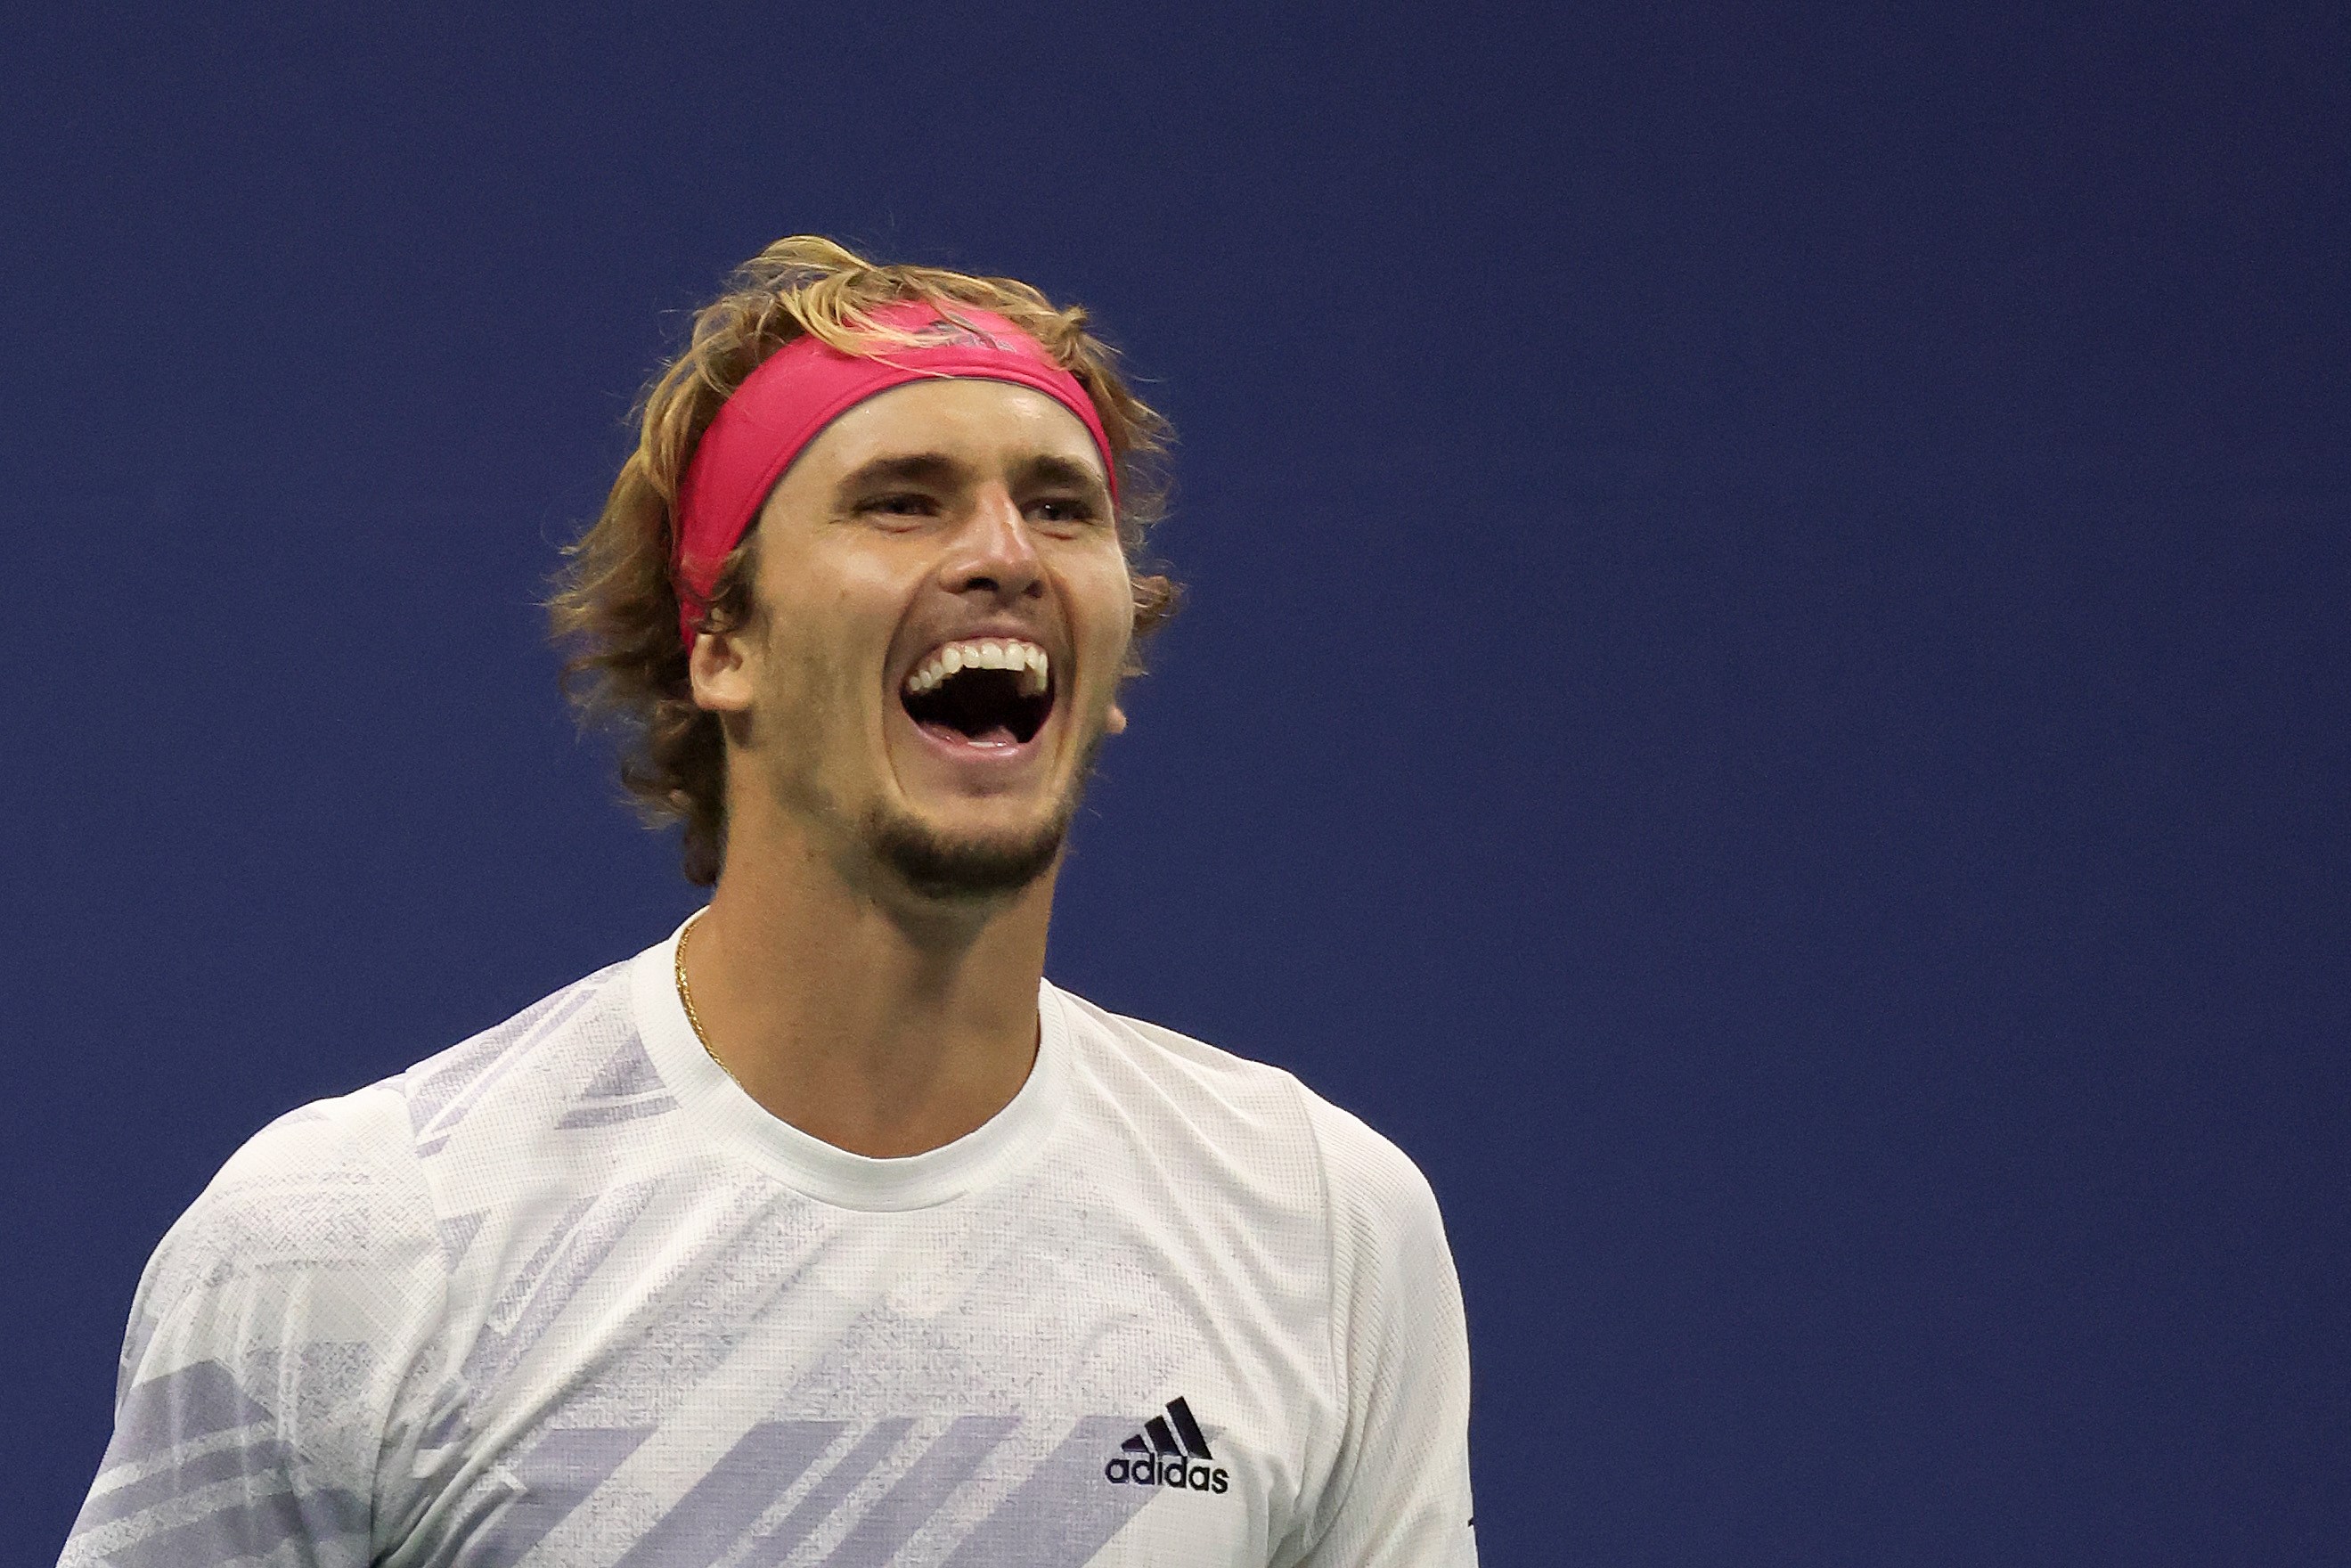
(719,667)
(1114,722)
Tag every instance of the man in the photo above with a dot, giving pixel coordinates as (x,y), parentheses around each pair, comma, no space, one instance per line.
(826,1230)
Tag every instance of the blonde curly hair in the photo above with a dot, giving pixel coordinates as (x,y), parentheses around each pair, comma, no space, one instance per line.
(615,606)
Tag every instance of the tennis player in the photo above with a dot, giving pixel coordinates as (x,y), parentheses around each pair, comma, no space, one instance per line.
(825,1230)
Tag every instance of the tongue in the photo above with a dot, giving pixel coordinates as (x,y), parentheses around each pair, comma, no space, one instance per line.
(994,735)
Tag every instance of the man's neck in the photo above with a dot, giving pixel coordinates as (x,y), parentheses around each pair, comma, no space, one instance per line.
(885,1026)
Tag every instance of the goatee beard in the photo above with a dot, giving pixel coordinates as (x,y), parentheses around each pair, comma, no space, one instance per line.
(934,865)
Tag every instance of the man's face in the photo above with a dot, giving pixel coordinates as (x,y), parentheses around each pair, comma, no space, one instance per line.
(942,610)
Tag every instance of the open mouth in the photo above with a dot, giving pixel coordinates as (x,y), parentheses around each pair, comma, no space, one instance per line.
(989,691)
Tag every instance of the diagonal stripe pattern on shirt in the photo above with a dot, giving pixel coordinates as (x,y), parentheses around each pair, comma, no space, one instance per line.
(1062,1516)
(908,1505)
(828,1494)
(757,1471)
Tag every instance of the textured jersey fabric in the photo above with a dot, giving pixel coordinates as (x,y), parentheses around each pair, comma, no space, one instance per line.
(565,1295)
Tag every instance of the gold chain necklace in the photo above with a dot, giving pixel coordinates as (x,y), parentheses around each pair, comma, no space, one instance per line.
(685,997)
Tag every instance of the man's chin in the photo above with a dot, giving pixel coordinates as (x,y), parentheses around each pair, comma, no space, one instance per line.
(937,864)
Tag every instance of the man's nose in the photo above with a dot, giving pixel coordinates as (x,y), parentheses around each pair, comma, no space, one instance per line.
(993,550)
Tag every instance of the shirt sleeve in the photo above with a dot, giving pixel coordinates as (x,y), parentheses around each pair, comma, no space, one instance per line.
(277,1364)
(1398,1492)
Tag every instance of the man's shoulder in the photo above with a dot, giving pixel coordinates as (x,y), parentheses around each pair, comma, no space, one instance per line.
(1131,1056)
(330,1191)
(366,1150)
(1256,1111)
(573,1059)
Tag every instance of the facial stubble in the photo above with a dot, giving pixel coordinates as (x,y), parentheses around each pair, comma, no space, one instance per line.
(937,865)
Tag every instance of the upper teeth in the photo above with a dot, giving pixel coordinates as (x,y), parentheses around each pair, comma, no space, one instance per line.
(986,653)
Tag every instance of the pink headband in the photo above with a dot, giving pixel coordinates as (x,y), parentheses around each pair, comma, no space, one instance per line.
(806,384)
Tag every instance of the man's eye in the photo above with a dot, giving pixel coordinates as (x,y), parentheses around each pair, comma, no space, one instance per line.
(906,504)
(1063,509)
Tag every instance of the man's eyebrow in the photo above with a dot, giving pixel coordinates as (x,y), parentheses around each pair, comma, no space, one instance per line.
(1045,468)
(939,468)
(911,467)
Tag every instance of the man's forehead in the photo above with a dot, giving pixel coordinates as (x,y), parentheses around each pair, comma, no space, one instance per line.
(978,425)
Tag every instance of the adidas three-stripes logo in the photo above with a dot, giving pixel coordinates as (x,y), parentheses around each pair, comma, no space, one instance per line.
(1170,1451)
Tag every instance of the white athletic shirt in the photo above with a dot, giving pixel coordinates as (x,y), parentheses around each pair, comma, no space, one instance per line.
(565,1295)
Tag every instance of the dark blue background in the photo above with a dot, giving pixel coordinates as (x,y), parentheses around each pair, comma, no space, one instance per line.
(1766,685)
